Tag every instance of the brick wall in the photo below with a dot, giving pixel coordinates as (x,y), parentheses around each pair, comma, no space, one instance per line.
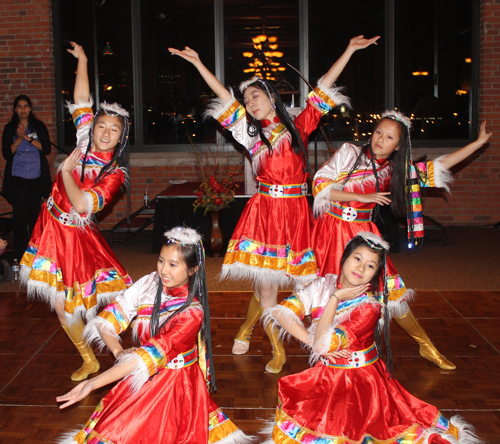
(27,67)
(27,64)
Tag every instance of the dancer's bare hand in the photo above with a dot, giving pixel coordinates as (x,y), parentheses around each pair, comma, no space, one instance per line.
(337,355)
(81,391)
(483,135)
(359,42)
(346,294)
(71,161)
(187,53)
(378,198)
(77,50)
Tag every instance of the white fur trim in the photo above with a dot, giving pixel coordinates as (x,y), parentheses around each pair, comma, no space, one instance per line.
(237,437)
(372,237)
(238,271)
(72,107)
(322,199)
(139,374)
(244,85)
(186,236)
(322,346)
(267,430)
(79,220)
(269,317)
(400,117)
(68,437)
(258,160)
(114,108)
(466,434)
(400,307)
(91,333)
(442,175)
(217,107)
(335,93)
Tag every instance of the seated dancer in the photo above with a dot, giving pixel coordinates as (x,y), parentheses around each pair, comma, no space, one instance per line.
(350,396)
(163,398)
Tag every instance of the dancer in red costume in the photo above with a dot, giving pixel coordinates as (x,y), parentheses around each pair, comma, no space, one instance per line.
(68,263)
(350,396)
(271,245)
(163,398)
(348,188)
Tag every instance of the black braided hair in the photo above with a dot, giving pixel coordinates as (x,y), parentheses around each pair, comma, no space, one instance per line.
(120,157)
(194,259)
(376,284)
(290,123)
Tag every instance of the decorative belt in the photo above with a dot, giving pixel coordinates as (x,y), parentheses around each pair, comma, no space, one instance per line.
(184,359)
(64,218)
(358,359)
(350,214)
(295,190)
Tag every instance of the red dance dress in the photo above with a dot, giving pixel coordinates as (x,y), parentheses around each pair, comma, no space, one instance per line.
(67,258)
(164,400)
(271,243)
(338,222)
(352,401)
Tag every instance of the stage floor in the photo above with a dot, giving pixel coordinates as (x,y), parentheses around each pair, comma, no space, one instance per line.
(36,359)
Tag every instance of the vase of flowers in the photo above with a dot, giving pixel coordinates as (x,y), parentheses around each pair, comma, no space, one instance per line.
(216,191)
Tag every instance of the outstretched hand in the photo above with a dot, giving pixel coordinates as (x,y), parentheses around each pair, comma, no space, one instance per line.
(187,53)
(77,50)
(360,42)
(483,135)
(81,391)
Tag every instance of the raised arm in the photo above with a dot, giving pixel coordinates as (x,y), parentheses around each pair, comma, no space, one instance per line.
(461,154)
(192,56)
(82,89)
(356,43)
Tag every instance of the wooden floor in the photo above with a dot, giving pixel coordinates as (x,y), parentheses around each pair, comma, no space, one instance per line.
(36,359)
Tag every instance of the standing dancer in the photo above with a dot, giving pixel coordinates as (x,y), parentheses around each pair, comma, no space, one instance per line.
(163,398)
(68,263)
(348,187)
(350,396)
(271,245)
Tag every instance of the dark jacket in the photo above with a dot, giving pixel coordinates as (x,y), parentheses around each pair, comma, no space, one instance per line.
(7,140)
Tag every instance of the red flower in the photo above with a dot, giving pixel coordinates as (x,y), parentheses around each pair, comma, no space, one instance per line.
(218,201)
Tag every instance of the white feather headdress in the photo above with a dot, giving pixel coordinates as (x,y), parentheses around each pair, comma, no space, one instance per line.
(372,238)
(400,117)
(114,108)
(183,235)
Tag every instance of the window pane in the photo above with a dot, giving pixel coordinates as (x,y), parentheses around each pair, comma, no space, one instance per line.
(331,25)
(174,93)
(112,39)
(261,40)
(433,66)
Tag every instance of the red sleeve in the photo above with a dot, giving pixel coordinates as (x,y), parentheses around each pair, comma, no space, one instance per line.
(178,336)
(103,193)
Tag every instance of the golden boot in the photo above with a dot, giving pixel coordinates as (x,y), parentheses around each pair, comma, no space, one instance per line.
(242,340)
(275,365)
(410,325)
(90,362)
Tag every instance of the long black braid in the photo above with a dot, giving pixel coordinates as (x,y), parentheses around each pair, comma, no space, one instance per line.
(194,258)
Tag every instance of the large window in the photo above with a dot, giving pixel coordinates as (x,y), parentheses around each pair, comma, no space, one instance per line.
(425,63)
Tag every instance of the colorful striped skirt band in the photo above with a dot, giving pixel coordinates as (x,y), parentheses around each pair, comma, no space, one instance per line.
(276,191)
(184,359)
(350,214)
(358,359)
(64,218)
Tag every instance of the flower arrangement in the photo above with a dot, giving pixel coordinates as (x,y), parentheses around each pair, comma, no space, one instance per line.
(218,179)
(213,194)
